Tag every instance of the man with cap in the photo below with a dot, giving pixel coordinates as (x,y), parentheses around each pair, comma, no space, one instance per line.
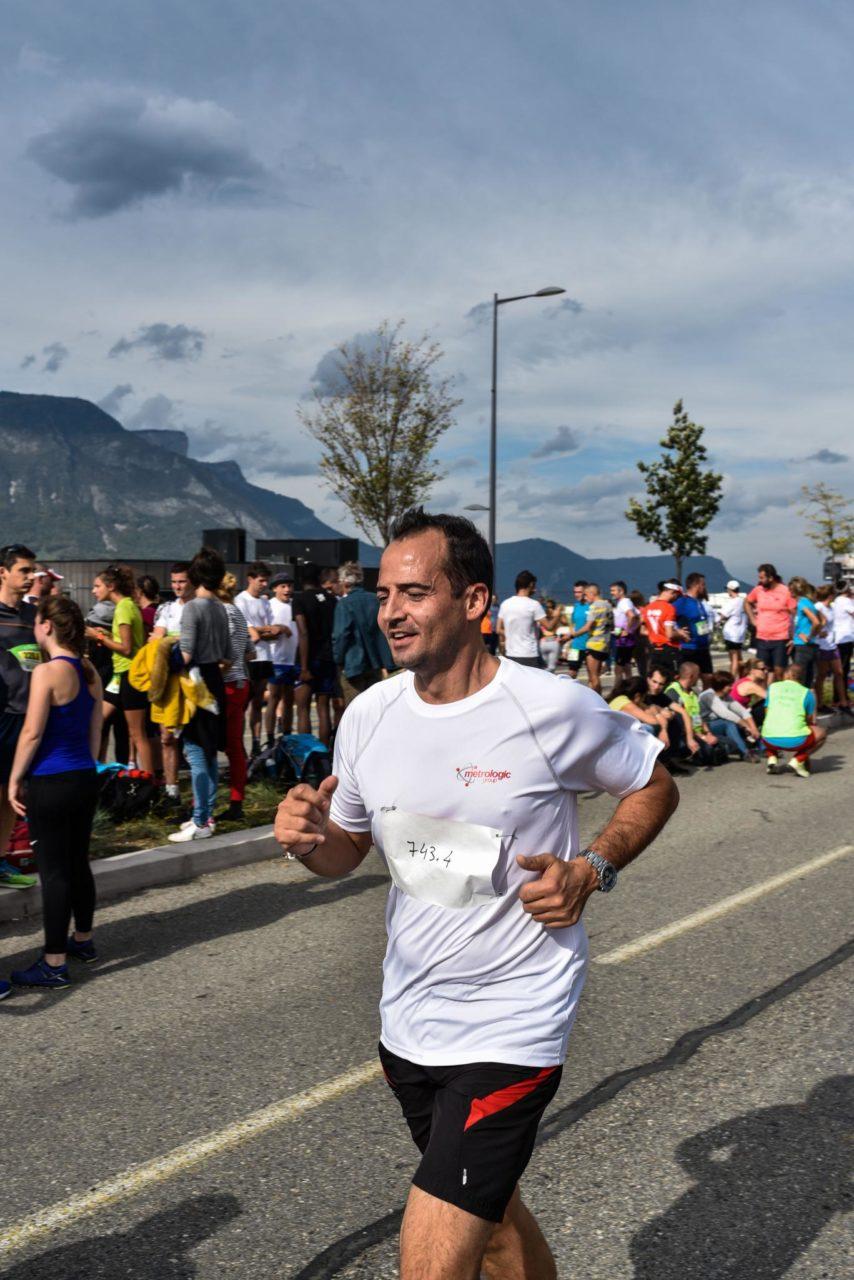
(660,625)
(284,649)
(734,621)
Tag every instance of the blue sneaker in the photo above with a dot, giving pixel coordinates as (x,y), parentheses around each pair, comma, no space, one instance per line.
(5,990)
(84,951)
(42,974)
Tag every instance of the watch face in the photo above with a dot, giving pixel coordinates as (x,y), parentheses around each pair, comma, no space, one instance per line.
(608,877)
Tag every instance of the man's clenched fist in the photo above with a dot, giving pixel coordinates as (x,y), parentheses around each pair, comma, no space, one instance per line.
(303,816)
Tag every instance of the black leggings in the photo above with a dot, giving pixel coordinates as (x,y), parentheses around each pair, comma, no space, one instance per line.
(60,810)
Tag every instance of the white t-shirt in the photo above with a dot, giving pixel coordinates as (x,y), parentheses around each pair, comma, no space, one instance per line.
(624,611)
(168,615)
(843,619)
(734,618)
(284,648)
(827,641)
(484,983)
(520,615)
(257,613)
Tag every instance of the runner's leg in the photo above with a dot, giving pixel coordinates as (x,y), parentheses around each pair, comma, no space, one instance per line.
(594,671)
(139,738)
(324,724)
(438,1241)
(274,695)
(517,1249)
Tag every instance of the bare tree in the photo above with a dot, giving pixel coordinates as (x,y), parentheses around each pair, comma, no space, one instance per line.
(830,519)
(378,426)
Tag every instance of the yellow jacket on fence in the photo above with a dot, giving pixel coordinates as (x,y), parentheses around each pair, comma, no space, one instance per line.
(174,696)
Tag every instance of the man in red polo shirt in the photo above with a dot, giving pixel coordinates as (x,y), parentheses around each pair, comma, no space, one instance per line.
(659,621)
(769,607)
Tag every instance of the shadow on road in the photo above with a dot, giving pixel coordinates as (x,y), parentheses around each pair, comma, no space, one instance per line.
(766,1184)
(157,1249)
(137,940)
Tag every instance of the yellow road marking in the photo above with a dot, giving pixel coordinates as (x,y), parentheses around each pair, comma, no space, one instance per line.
(36,1225)
(648,941)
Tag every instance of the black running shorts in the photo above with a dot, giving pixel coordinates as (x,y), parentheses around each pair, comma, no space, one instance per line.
(474,1125)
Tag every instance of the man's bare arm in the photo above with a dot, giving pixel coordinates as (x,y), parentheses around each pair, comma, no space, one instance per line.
(303,828)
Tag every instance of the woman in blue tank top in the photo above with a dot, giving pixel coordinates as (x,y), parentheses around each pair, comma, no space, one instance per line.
(56,756)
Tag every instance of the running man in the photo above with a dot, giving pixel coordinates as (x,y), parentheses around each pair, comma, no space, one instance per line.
(659,622)
(576,616)
(626,625)
(486,952)
(597,632)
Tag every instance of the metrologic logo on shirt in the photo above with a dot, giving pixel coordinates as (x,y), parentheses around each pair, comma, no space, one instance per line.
(470,773)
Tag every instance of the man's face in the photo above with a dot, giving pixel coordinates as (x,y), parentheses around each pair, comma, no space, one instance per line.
(578,592)
(764,580)
(655,683)
(590,594)
(691,676)
(669,596)
(182,588)
(256,586)
(616,593)
(284,591)
(425,625)
(332,585)
(18,580)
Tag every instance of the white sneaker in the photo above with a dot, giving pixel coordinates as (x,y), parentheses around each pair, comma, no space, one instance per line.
(192,832)
(190,823)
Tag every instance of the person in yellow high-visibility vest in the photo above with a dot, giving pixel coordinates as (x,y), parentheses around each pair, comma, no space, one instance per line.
(790,722)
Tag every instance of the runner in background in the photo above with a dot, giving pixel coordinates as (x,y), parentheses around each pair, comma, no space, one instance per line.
(236,680)
(315,609)
(167,622)
(124,642)
(284,651)
(769,607)
(19,656)
(519,618)
(255,607)
(693,619)
(100,618)
(597,631)
(659,620)
(626,627)
(576,617)
(56,755)
(733,621)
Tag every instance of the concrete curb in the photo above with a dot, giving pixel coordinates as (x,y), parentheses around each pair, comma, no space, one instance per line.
(150,868)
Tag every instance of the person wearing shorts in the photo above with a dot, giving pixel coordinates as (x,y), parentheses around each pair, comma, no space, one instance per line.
(125,640)
(693,618)
(626,624)
(486,950)
(284,650)
(255,607)
(769,607)
(576,616)
(658,619)
(314,608)
(733,625)
(167,622)
(597,631)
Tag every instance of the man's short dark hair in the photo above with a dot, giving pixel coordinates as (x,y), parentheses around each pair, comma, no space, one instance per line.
(258,569)
(15,551)
(693,579)
(525,580)
(207,569)
(310,574)
(768,570)
(180,566)
(467,558)
(621,585)
(580,583)
(656,668)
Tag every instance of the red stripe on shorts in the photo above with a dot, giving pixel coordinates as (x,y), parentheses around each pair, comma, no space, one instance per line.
(493,1102)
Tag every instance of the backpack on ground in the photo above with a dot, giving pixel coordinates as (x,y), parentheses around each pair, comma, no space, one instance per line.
(128,794)
(302,758)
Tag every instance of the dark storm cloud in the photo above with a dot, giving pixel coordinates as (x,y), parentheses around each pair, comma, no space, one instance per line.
(27,361)
(828,456)
(57,354)
(565,440)
(164,341)
(115,154)
(112,401)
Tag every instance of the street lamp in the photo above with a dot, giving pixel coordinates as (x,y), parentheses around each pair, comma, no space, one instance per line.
(497,302)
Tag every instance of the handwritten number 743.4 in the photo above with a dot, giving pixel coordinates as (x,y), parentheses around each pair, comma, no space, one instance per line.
(428,852)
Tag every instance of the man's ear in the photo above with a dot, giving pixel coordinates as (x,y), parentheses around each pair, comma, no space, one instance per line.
(478,600)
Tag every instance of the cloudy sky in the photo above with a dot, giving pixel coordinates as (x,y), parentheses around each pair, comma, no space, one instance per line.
(204,197)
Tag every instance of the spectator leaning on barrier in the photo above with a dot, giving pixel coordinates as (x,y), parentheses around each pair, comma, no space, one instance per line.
(769,607)
(519,619)
(360,649)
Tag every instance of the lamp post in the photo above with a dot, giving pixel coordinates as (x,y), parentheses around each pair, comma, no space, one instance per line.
(497,302)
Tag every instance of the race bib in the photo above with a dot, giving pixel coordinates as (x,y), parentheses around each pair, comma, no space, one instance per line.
(437,860)
(702,628)
(28,655)
(114,685)
(574,655)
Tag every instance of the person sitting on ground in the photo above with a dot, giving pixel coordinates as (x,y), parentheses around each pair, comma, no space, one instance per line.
(726,719)
(680,730)
(519,619)
(682,690)
(633,698)
(829,665)
(56,755)
(790,722)
(751,687)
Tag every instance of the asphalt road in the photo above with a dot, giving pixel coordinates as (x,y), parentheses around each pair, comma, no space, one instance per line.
(699,1132)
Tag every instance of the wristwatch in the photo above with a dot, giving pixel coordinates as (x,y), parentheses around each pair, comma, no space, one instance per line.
(605,870)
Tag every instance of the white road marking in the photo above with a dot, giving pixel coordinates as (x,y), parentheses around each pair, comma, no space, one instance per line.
(36,1225)
(648,941)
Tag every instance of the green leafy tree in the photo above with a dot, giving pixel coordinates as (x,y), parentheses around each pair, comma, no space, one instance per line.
(683,496)
(378,424)
(829,518)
